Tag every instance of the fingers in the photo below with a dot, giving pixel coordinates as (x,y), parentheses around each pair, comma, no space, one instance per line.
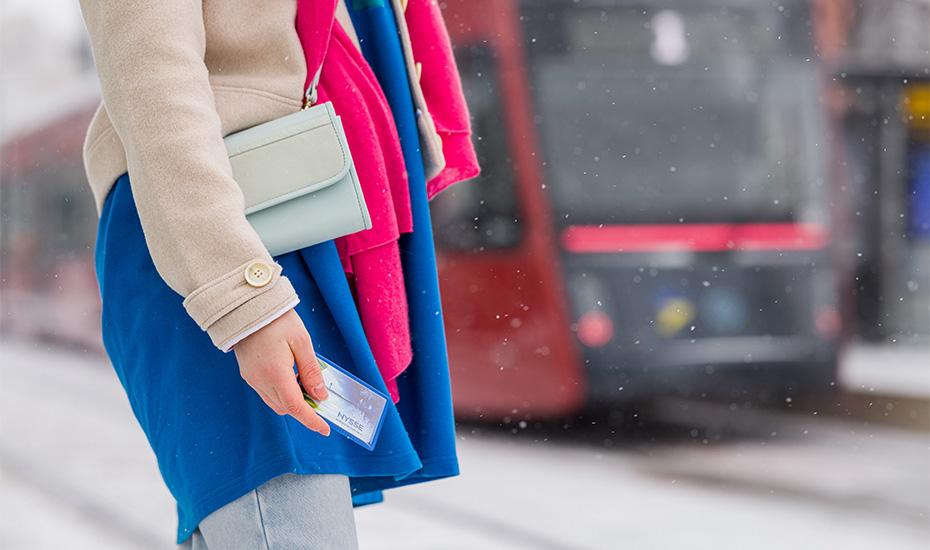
(284,397)
(308,367)
(292,403)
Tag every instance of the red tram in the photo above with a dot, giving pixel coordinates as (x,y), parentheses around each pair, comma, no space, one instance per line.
(47,227)
(650,219)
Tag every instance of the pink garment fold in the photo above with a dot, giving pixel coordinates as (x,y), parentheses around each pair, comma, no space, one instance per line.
(371,258)
(442,91)
(382,305)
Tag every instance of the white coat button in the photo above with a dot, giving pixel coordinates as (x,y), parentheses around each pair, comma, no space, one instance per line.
(258,273)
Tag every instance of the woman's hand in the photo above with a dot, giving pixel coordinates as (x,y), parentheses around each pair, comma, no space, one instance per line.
(266,362)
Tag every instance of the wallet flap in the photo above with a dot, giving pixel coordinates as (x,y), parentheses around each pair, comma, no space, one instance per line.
(288,157)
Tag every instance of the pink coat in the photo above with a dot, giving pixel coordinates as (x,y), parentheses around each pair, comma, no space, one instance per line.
(371,258)
(442,90)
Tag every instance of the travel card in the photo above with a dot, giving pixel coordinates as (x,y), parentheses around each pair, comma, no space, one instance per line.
(353,407)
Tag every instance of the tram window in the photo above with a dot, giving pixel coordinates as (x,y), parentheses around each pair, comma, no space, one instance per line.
(481,214)
(697,114)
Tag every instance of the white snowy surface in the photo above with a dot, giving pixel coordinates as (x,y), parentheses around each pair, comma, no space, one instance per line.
(76,472)
(887,369)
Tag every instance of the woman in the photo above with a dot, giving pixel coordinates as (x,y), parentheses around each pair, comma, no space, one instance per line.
(184,278)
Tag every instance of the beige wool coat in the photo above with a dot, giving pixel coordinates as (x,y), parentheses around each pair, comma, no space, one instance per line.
(176,76)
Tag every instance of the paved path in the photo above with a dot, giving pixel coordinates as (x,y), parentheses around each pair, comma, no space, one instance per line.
(76,472)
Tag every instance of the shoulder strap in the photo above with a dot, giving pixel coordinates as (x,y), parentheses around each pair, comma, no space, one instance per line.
(314,23)
(310,95)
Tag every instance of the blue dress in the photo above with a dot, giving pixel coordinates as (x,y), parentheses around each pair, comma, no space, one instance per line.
(213,437)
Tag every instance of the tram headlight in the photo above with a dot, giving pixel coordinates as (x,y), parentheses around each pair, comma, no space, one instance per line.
(594,326)
(827,321)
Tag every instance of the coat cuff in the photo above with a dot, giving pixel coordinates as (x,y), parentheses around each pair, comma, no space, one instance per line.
(231,305)
(461,163)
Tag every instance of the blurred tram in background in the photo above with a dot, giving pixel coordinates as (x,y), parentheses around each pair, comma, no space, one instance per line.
(650,218)
(48,289)
(651,215)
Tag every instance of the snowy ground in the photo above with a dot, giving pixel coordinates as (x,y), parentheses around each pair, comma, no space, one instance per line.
(75,472)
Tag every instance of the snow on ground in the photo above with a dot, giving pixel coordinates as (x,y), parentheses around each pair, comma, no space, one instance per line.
(76,472)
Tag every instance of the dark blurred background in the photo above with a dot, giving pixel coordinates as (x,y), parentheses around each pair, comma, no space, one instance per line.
(695,272)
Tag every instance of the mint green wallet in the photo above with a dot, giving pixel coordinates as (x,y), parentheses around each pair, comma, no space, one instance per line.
(298,179)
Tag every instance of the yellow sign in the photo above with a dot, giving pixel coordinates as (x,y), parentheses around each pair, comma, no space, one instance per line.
(674,315)
(916,105)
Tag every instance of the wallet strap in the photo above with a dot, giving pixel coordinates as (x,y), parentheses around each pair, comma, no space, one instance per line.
(310,95)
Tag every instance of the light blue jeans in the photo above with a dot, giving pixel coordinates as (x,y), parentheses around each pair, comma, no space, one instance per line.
(292,512)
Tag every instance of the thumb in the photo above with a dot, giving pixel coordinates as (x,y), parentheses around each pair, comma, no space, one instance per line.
(308,368)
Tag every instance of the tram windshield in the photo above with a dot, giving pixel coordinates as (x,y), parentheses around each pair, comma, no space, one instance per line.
(661,115)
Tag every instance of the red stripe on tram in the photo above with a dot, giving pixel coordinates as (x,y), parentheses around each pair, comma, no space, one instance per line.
(703,237)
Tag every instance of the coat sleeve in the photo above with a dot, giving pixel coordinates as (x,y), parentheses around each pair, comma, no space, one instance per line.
(156,92)
(442,90)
